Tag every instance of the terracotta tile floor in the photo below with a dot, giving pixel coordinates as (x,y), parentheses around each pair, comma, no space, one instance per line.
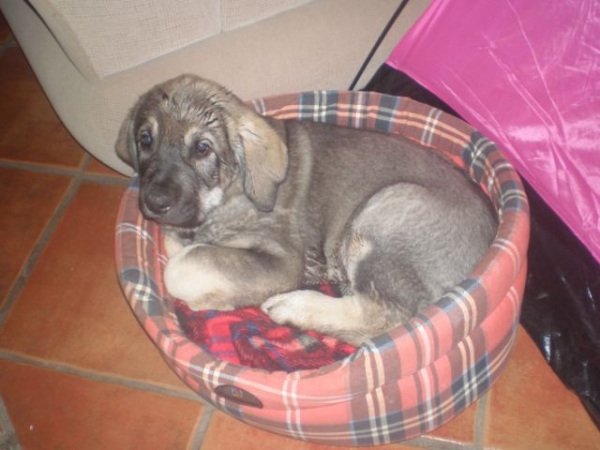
(76,370)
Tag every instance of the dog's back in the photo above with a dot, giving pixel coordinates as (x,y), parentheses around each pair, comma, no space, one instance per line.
(396,222)
(349,166)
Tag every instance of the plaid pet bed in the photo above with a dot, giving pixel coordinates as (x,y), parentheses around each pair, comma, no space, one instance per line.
(401,384)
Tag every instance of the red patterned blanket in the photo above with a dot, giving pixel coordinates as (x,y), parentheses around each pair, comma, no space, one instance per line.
(250,338)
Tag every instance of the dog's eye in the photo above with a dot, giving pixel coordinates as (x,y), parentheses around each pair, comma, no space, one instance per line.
(145,140)
(202,149)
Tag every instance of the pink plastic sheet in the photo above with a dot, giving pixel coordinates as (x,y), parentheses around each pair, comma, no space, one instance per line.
(526,74)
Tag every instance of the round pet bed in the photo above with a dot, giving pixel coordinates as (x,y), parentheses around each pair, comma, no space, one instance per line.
(401,384)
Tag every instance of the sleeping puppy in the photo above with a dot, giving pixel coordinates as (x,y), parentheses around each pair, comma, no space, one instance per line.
(252,208)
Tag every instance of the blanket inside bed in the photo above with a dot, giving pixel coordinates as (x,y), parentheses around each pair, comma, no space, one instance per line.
(250,338)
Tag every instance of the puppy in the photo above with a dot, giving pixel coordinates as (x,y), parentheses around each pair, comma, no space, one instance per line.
(252,208)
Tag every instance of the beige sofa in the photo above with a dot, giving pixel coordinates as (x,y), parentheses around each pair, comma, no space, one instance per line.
(93,58)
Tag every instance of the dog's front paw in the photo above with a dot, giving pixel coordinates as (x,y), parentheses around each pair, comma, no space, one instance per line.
(297,308)
(172,245)
(191,279)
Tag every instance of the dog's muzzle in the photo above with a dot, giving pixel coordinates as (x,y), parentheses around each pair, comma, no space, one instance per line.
(167,206)
(161,202)
(156,203)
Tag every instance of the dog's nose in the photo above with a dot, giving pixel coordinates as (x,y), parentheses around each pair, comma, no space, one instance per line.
(158,203)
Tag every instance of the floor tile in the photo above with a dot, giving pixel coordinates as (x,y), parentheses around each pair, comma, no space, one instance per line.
(28,201)
(224,433)
(51,410)
(460,429)
(529,407)
(72,309)
(30,129)
(98,168)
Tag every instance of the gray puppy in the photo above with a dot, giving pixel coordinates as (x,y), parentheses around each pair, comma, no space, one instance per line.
(253,208)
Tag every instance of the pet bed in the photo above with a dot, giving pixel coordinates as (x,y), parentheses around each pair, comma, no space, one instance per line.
(401,384)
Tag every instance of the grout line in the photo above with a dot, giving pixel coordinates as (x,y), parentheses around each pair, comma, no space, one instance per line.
(8,436)
(432,443)
(66,171)
(480,421)
(37,249)
(99,377)
(201,427)
(107,180)
(41,168)
(78,176)
(84,163)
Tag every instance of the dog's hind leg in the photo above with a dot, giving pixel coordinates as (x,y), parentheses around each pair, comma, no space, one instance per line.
(393,266)
(353,318)
(346,318)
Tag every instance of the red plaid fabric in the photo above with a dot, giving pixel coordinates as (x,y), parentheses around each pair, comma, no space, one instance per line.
(401,384)
(250,338)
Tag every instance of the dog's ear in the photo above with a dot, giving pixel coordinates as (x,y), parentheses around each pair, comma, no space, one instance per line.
(265,159)
(125,145)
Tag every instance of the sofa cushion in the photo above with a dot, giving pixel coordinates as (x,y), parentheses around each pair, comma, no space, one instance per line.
(143,29)
(237,13)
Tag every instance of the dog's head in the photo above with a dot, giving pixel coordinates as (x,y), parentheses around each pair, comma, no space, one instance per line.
(190,140)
